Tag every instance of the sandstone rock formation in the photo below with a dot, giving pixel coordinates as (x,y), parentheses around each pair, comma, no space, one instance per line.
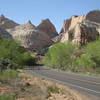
(57,38)
(78,29)
(82,29)
(66,25)
(6,23)
(47,27)
(86,31)
(30,37)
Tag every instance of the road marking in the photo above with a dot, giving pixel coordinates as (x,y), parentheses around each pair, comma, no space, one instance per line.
(66,83)
(78,74)
(92,82)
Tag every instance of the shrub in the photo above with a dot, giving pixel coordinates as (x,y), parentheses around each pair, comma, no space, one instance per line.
(10,49)
(84,62)
(59,55)
(8,74)
(90,58)
(28,59)
(7,64)
(53,89)
(69,56)
(93,51)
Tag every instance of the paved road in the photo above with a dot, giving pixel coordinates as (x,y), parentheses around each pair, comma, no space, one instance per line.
(87,84)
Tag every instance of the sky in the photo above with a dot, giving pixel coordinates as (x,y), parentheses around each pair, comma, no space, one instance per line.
(36,10)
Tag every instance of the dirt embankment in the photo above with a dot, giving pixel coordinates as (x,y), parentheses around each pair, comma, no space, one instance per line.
(27,87)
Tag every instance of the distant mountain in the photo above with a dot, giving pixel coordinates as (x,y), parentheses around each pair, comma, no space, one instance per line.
(30,37)
(6,23)
(47,27)
(78,29)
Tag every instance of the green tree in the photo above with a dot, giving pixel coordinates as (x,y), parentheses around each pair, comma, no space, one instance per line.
(90,59)
(11,49)
(93,50)
(59,55)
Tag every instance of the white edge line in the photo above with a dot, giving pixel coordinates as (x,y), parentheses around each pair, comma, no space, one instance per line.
(79,74)
(66,83)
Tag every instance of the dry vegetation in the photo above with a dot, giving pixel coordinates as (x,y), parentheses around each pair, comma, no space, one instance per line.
(27,87)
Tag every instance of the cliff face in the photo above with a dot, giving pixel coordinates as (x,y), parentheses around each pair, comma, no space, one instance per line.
(69,24)
(81,29)
(78,29)
(66,25)
(47,27)
(30,37)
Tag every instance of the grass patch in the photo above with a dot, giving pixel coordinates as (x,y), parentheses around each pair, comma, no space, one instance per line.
(53,89)
(96,71)
(7,97)
(8,74)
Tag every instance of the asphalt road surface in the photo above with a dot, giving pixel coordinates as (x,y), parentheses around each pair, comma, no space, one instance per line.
(83,83)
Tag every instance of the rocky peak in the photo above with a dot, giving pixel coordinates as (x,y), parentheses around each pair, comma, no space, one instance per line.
(94,16)
(45,21)
(30,38)
(28,24)
(82,29)
(47,27)
(6,23)
(66,25)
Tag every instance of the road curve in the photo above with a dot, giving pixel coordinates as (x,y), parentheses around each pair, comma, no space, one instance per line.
(88,84)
